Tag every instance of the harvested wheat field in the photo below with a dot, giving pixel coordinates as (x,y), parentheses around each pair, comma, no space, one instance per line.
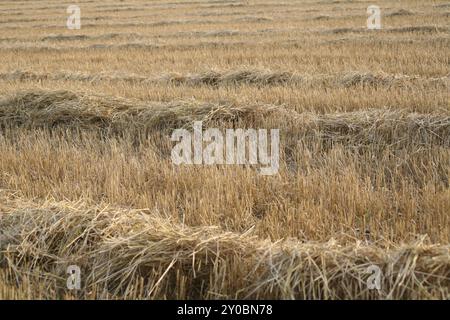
(87,176)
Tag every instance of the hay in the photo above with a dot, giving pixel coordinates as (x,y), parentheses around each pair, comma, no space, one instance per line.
(61,37)
(375,128)
(245,76)
(126,253)
(400,13)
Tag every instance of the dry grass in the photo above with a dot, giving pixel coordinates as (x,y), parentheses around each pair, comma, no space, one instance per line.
(142,254)
(248,77)
(374,128)
(86,176)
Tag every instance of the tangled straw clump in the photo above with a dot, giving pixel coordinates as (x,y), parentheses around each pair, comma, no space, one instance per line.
(400,12)
(126,253)
(378,127)
(50,109)
(254,77)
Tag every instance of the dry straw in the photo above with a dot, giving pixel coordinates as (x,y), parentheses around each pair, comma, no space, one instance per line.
(376,128)
(246,76)
(127,253)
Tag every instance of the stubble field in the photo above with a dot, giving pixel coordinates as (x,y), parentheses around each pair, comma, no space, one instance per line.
(86,176)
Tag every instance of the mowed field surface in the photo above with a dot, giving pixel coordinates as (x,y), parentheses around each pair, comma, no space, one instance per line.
(86,176)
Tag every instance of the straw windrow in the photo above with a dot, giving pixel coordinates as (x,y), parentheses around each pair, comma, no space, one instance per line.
(133,253)
(53,109)
(249,76)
